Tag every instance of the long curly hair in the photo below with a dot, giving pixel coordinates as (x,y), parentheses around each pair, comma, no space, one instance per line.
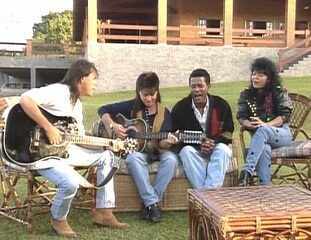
(146,80)
(265,97)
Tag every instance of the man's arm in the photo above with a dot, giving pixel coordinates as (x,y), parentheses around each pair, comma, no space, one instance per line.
(109,111)
(31,108)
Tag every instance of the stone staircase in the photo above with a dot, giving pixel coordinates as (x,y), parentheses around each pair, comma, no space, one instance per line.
(302,68)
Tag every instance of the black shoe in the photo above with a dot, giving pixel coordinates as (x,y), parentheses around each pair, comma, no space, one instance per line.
(152,212)
(145,213)
(245,178)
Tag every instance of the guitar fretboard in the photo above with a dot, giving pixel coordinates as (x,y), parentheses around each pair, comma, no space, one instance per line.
(92,141)
(185,136)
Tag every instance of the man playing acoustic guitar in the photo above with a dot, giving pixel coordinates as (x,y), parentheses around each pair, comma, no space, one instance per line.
(205,164)
(146,105)
(63,99)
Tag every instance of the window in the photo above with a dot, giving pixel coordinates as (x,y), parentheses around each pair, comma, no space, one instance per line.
(259,25)
(209,23)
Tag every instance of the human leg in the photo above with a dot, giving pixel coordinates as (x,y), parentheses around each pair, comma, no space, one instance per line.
(217,166)
(166,171)
(263,167)
(194,166)
(67,181)
(138,168)
(276,137)
(105,196)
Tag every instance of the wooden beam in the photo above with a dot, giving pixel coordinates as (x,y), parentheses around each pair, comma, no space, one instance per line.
(228,19)
(162,21)
(290,22)
(92,21)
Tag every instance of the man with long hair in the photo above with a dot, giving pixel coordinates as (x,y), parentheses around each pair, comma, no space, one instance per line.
(146,105)
(63,99)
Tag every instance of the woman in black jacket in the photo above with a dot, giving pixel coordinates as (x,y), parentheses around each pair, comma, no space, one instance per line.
(264,109)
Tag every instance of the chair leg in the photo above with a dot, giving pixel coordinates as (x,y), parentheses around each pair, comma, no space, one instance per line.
(30,191)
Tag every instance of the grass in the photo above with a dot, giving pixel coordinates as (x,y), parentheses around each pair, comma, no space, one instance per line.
(174,224)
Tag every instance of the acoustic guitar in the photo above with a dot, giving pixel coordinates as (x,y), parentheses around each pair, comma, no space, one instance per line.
(25,142)
(137,128)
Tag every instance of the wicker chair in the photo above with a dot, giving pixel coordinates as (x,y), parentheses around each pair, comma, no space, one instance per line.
(24,193)
(291,164)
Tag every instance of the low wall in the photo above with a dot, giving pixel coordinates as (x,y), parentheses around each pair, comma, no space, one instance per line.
(120,64)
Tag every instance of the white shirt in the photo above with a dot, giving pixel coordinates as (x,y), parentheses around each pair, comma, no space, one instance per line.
(55,99)
(201,117)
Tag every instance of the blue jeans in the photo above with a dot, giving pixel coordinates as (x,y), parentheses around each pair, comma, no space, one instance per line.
(68,180)
(259,154)
(138,167)
(206,170)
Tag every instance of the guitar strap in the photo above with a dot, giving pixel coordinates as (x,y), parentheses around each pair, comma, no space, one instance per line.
(152,146)
(159,118)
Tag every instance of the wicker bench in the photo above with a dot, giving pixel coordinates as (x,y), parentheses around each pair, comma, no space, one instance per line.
(175,197)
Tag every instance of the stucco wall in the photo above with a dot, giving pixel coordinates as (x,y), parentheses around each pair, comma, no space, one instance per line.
(120,64)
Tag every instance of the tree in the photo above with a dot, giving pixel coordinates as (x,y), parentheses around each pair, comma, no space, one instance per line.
(54,28)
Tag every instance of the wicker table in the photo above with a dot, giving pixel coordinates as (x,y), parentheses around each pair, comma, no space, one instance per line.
(261,212)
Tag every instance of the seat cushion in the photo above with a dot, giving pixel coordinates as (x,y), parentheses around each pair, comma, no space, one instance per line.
(296,149)
(153,167)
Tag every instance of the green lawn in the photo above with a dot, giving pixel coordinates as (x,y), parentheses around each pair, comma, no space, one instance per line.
(174,224)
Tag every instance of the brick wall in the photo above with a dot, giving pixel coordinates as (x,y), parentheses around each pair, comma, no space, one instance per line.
(120,64)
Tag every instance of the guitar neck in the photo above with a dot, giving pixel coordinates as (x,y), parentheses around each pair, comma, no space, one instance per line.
(185,136)
(155,136)
(90,140)
(189,136)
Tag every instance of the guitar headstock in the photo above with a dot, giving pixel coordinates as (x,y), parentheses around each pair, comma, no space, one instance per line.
(191,137)
(126,146)
(131,145)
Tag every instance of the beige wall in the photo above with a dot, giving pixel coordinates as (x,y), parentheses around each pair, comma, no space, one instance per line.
(120,64)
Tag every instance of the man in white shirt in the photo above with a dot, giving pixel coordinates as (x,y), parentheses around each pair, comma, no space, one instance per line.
(205,164)
(63,99)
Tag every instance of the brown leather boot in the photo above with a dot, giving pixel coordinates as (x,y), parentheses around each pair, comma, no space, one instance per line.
(104,217)
(62,228)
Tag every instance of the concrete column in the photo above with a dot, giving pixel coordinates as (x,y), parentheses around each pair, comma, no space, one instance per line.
(290,22)
(92,21)
(228,21)
(162,21)
(33,77)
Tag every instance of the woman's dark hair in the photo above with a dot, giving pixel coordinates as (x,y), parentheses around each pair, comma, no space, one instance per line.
(265,98)
(200,72)
(267,67)
(146,80)
(79,69)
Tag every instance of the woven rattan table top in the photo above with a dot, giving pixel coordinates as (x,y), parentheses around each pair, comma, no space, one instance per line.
(263,201)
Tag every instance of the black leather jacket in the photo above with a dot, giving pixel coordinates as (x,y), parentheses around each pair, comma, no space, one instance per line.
(249,106)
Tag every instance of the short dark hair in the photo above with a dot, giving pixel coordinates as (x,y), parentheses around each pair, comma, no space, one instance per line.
(200,72)
(78,69)
(266,66)
(146,80)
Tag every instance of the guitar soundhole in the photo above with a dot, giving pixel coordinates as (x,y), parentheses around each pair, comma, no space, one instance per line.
(131,133)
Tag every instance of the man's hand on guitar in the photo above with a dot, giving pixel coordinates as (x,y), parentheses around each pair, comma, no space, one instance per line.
(54,135)
(119,130)
(169,141)
(207,145)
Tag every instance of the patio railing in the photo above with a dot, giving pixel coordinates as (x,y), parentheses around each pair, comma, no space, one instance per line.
(128,33)
(191,35)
